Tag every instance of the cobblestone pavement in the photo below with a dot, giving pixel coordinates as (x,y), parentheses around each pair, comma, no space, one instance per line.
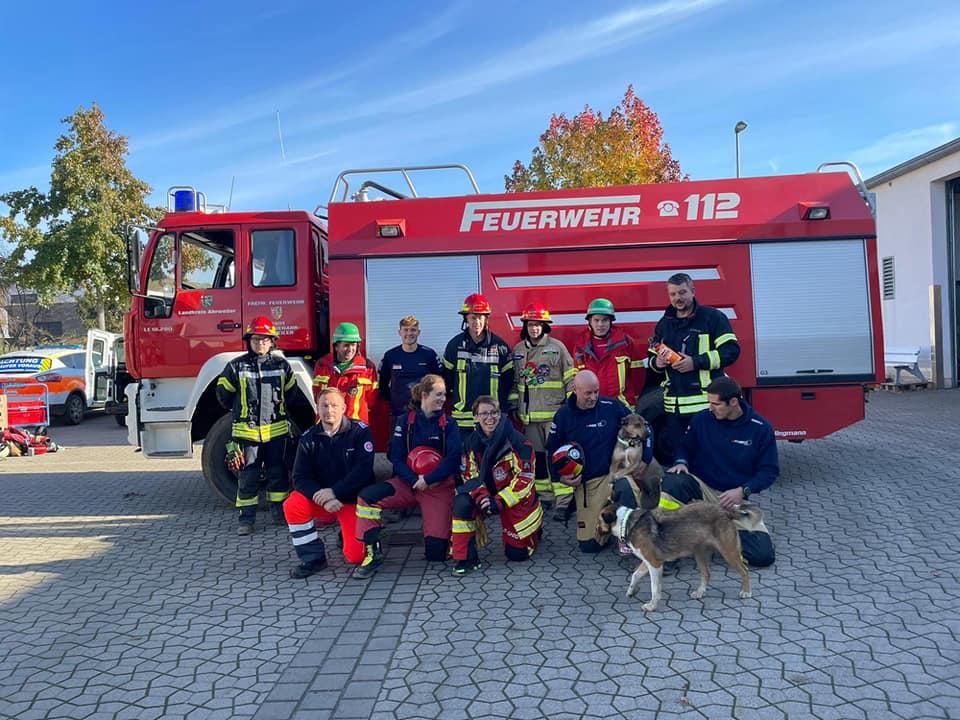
(124,593)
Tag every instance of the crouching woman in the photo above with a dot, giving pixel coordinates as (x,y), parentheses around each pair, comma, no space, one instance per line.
(424,430)
(498,475)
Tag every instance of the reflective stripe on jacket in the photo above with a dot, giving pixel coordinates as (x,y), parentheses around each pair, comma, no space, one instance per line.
(544,379)
(473,369)
(707,337)
(254,388)
(358,384)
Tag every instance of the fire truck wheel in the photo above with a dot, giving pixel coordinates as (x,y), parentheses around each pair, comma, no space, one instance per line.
(215,470)
(74,409)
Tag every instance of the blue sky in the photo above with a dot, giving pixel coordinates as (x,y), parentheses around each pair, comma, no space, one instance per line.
(196,86)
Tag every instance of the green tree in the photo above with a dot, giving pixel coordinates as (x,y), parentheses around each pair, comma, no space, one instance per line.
(587,150)
(70,238)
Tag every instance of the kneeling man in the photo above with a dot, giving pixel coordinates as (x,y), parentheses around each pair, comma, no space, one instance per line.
(728,455)
(334,462)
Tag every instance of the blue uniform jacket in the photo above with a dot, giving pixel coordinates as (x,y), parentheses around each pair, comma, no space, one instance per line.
(594,429)
(425,431)
(728,454)
(401,370)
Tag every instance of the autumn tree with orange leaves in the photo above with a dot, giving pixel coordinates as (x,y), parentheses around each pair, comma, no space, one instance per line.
(587,150)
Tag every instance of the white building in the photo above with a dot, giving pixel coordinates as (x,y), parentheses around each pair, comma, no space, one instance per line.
(918,237)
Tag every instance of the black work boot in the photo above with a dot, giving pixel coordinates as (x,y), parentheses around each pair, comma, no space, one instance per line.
(276,512)
(247,516)
(306,569)
(371,562)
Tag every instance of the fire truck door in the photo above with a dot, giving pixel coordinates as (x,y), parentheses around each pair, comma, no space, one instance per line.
(206,310)
(278,282)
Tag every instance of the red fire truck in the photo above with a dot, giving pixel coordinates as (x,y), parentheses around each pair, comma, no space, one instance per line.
(791,260)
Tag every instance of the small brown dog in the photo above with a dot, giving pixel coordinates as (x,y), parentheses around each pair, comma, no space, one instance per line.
(628,452)
(658,536)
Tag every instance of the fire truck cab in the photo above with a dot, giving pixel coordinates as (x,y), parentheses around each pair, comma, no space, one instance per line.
(791,260)
(197,281)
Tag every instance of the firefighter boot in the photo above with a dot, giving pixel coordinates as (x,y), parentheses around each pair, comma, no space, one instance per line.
(371,561)
(247,516)
(276,512)
(472,562)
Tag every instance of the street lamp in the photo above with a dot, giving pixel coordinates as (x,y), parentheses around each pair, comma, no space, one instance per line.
(737,129)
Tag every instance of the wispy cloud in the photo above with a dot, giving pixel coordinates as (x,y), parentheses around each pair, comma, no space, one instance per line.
(898,147)
(549,51)
(263,104)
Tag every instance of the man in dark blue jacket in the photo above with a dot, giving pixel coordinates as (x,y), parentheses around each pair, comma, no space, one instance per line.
(334,462)
(403,366)
(593,422)
(728,454)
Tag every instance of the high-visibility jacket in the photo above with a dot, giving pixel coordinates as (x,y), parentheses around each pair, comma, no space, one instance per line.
(473,369)
(619,366)
(706,336)
(509,484)
(254,388)
(544,379)
(358,383)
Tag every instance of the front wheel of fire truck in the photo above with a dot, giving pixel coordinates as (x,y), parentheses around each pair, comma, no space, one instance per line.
(213,460)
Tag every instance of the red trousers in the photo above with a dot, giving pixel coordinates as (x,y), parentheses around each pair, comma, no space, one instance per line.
(302,515)
(436,505)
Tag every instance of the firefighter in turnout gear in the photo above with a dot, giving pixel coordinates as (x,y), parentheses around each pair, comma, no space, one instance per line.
(476,362)
(255,387)
(692,344)
(425,430)
(334,462)
(497,474)
(610,353)
(544,371)
(348,371)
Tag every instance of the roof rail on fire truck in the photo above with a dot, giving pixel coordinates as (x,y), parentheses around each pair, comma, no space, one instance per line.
(360,195)
(868,197)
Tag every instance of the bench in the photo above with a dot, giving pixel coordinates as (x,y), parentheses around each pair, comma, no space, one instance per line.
(904,358)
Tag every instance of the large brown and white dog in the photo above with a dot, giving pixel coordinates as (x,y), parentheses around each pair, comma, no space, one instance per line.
(658,536)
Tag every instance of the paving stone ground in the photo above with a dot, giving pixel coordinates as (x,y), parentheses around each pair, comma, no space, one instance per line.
(124,593)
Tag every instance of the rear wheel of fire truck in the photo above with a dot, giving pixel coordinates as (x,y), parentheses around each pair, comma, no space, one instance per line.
(213,460)
(74,409)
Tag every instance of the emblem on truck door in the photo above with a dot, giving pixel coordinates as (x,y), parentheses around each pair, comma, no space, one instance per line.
(206,301)
(277,312)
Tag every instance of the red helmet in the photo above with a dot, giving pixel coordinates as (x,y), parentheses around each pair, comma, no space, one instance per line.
(261,326)
(423,459)
(475,303)
(568,460)
(536,311)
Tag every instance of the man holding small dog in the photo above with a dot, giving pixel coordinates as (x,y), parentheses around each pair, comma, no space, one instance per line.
(728,455)
(593,421)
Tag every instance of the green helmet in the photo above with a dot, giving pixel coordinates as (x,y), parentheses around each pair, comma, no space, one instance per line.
(347,332)
(601,306)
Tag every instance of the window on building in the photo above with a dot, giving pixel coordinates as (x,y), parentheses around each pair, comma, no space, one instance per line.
(274,258)
(29,298)
(889,279)
(206,260)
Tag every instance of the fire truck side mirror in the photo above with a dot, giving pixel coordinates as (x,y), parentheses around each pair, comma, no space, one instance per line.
(136,237)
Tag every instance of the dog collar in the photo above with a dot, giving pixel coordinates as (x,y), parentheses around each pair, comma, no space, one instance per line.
(626,443)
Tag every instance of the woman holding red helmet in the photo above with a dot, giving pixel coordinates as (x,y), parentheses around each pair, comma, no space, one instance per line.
(498,479)
(425,451)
